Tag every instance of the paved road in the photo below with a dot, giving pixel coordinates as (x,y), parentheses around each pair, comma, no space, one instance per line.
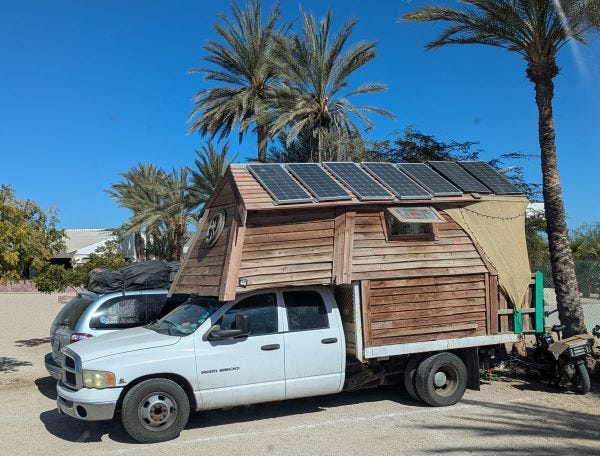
(503,418)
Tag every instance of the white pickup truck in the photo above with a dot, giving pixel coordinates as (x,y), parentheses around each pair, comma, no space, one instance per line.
(264,346)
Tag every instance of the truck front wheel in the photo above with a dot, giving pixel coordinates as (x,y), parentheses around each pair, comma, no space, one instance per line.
(155,410)
(441,379)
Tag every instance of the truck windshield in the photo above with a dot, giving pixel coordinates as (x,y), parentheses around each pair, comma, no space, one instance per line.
(187,317)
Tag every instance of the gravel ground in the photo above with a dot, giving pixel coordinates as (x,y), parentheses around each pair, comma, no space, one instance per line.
(505,417)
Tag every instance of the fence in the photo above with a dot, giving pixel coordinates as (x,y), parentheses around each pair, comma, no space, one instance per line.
(588,278)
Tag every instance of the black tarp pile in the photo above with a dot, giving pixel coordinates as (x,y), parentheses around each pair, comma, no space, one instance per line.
(146,275)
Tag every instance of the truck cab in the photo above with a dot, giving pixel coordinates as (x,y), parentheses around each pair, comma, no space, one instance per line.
(264,346)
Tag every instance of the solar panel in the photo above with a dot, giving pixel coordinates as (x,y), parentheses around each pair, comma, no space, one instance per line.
(395,180)
(281,186)
(459,177)
(429,179)
(361,184)
(490,177)
(317,181)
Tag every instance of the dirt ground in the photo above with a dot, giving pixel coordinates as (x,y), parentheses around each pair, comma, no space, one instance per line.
(505,417)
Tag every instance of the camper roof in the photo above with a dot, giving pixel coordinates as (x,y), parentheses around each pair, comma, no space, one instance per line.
(272,185)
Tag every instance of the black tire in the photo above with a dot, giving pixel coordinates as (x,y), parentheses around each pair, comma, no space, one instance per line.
(581,379)
(410,372)
(155,410)
(453,379)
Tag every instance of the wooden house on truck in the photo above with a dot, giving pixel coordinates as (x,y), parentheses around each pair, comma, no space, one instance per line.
(421,258)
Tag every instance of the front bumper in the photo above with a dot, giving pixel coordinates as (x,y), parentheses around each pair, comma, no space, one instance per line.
(87,404)
(52,368)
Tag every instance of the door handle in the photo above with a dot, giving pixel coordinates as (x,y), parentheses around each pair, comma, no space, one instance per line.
(270,347)
(330,340)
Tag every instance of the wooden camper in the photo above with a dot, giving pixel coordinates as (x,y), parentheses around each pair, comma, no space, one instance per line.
(415,287)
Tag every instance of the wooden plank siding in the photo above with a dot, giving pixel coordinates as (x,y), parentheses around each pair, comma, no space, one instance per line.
(419,290)
(202,268)
(288,249)
(376,257)
(426,308)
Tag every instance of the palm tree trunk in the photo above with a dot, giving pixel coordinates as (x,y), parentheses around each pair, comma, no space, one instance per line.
(261,141)
(139,247)
(180,231)
(561,256)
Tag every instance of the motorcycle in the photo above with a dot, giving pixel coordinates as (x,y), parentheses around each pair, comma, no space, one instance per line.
(565,358)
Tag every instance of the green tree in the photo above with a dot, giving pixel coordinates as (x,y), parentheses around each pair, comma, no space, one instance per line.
(585,242)
(303,148)
(137,192)
(55,277)
(159,201)
(241,65)
(315,68)
(28,236)
(536,30)
(210,166)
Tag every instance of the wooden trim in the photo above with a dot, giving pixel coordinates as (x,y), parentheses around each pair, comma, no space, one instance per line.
(339,245)
(493,279)
(233,259)
(348,246)
(488,322)
(365,300)
(343,240)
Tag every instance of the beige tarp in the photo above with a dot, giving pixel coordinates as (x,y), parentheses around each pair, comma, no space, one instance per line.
(497,224)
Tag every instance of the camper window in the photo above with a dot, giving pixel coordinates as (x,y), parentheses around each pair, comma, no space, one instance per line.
(411,223)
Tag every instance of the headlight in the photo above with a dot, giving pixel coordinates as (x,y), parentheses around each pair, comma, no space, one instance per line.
(98,379)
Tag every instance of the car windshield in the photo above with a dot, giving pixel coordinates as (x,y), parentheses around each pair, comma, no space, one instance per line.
(187,317)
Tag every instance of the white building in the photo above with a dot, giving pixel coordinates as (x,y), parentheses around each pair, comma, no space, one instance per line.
(82,242)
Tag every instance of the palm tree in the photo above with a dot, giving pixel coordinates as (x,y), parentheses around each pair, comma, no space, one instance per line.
(136,192)
(243,69)
(536,30)
(315,67)
(160,204)
(210,167)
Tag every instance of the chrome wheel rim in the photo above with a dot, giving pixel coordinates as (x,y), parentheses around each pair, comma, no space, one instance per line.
(157,411)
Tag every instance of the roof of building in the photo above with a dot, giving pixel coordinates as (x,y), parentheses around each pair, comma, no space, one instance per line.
(84,240)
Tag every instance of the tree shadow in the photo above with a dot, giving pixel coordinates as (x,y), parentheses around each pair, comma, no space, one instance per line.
(491,425)
(8,365)
(32,342)
(73,430)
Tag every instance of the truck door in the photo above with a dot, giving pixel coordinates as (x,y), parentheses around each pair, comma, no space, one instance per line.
(314,345)
(245,370)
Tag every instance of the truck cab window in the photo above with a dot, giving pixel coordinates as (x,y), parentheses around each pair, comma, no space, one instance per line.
(305,310)
(262,310)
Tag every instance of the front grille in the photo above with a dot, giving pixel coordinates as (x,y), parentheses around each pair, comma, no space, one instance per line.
(69,371)
(70,378)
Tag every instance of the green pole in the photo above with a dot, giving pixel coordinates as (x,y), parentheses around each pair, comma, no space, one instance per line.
(518,321)
(539,302)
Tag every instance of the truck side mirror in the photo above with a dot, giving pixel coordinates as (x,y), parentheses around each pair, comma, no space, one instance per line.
(242,328)
(242,322)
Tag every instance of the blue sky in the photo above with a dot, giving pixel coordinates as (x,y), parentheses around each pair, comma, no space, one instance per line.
(88,89)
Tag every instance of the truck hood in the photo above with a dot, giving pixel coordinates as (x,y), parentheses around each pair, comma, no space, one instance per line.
(123,341)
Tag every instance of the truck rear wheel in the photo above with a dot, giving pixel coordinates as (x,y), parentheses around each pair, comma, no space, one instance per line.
(155,410)
(410,374)
(441,379)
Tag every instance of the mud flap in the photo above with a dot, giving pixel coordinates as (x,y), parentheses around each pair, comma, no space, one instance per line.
(470,356)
